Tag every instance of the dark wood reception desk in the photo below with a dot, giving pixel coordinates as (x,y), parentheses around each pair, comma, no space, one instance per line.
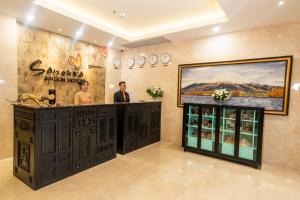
(138,125)
(56,142)
(53,143)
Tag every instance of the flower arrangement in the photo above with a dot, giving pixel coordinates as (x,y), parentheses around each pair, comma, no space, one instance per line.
(155,92)
(221,95)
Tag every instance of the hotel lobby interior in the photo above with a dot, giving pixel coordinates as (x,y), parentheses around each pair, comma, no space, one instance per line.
(158,100)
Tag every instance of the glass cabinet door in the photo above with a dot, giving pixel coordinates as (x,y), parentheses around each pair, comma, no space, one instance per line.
(248,134)
(227,131)
(192,126)
(208,128)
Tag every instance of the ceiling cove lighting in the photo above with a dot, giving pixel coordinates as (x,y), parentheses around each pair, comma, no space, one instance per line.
(216,16)
(29,17)
(216,29)
(78,33)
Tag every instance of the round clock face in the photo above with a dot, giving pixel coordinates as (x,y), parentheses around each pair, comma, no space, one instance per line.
(165,58)
(152,59)
(141,60)
(116,63)
(130,62)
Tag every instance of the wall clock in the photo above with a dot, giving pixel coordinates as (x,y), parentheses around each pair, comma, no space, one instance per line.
(116,63)
(141,60)
(165,58)
(152,59)
(130,62)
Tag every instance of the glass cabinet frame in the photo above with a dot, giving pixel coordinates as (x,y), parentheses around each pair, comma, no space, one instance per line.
(205,132)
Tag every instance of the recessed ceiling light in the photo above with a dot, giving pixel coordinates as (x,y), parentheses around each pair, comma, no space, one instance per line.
(95,40)
(78,33)
(122,15)
(280,3)
(216,29)
(30,17)
(110,44)
(59,30)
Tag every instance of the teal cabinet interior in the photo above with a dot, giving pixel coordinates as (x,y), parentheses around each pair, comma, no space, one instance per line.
(229,132)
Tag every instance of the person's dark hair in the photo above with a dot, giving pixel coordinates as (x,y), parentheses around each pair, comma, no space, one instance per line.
(121,82)
(81,82)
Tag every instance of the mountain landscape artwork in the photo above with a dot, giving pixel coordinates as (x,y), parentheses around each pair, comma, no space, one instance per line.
(256,84)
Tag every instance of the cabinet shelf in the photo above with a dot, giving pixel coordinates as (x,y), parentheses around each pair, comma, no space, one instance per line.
(249,134)
(229,132)
(247,120)
(192,126)
(207,128)
(208,116)
(228,118)
(193,115)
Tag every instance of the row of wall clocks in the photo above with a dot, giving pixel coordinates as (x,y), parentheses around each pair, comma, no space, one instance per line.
(165,59)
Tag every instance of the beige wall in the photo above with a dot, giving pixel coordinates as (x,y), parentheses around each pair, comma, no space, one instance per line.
(8,81)
(113,76)
(281,143)
(54,50)
(21,45)
(281,133)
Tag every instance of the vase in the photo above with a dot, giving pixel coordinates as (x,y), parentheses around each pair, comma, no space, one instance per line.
(221,102)
(155,98)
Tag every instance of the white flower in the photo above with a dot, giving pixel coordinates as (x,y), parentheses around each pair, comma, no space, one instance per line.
(221,94)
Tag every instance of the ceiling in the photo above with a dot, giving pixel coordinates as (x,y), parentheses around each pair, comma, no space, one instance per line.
(115,22)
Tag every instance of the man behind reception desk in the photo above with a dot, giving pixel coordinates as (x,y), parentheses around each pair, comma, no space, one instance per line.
(121,95)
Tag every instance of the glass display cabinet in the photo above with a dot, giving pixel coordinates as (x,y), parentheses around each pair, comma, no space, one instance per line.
(229,132)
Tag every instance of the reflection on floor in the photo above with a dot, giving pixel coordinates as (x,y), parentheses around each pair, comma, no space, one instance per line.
(161,171)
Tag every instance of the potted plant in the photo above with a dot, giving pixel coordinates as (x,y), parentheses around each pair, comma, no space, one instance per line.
(221,95)
(155,92)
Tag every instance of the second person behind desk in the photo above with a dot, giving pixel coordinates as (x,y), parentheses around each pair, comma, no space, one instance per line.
(121,95)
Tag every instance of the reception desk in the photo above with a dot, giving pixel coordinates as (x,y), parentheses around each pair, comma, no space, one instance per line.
(138,125)
(53,143)
(56,142)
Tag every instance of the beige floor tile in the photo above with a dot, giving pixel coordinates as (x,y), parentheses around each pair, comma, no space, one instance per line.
(158,172)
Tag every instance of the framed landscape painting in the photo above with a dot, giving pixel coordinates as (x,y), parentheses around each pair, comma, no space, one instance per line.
(263,82)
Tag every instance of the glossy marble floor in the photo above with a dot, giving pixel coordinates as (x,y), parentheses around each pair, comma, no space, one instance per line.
(161,171)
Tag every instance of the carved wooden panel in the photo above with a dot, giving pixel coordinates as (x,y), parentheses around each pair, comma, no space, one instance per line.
(24,156)
(111,127)
(154,126)
(131,125)
(24,130)
(56,144)
(49,138)
(59,143)
(141,125)
(102,128)
(64,135)
(84,137)
(106,134)
(84,147)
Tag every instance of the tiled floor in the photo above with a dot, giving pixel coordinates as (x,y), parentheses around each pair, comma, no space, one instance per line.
(161,171)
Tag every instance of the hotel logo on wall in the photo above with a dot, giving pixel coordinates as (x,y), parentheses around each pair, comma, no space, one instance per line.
(52,74)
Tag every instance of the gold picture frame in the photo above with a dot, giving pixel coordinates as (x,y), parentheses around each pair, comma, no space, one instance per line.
(260,82)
